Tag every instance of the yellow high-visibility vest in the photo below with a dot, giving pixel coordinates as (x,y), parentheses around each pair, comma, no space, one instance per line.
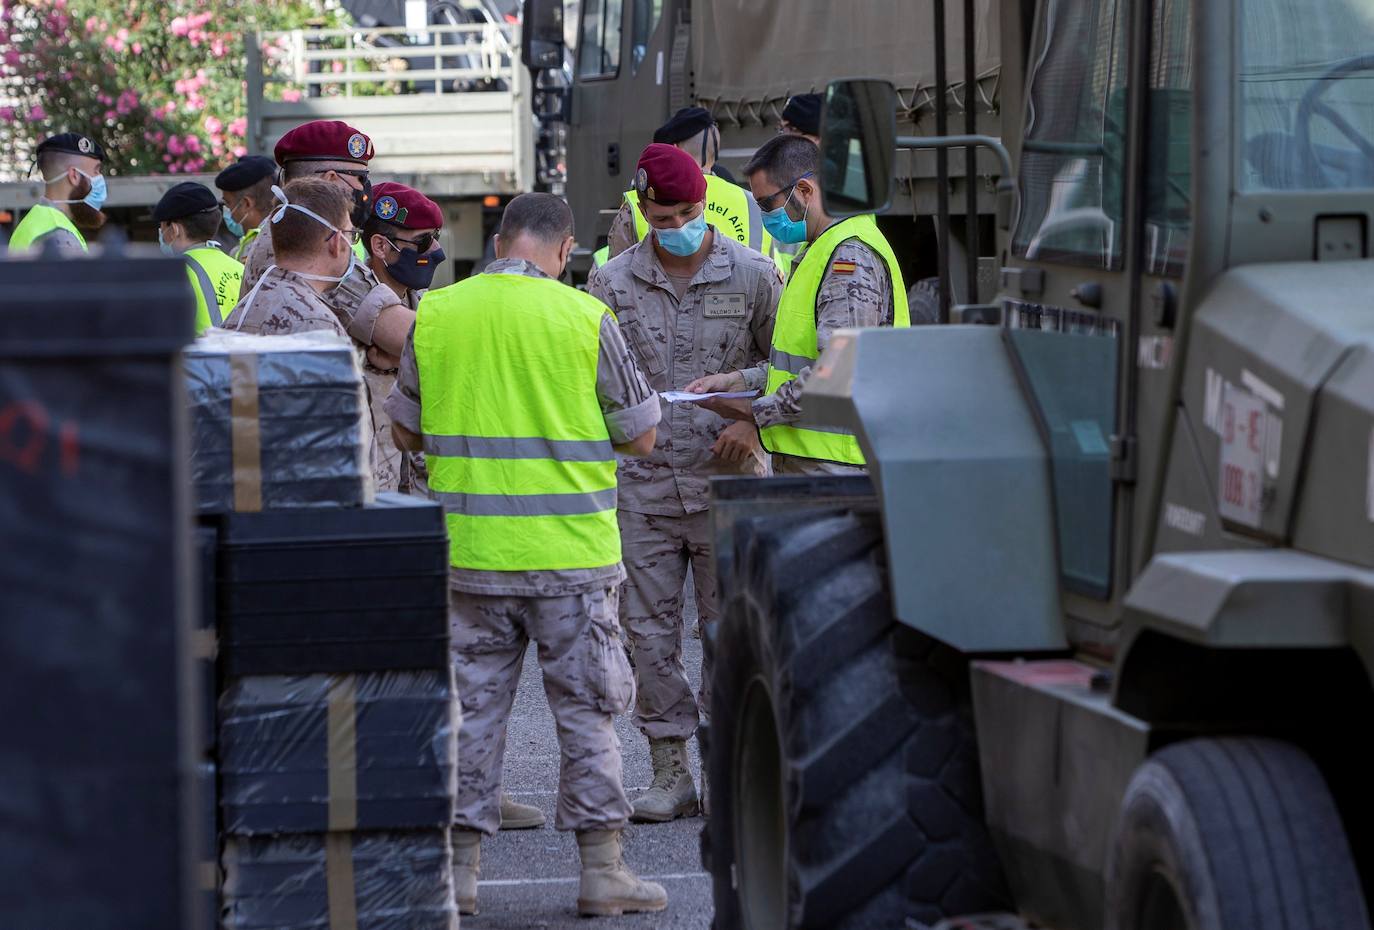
(794,337)
(517,450)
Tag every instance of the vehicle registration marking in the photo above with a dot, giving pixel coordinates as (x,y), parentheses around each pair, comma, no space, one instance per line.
(1244,443)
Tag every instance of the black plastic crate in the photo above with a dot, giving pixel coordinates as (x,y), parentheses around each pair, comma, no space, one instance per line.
(97,813)
(277,748)
(334,590)
(399,881)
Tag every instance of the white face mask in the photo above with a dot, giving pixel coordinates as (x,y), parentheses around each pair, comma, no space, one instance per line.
(281,212)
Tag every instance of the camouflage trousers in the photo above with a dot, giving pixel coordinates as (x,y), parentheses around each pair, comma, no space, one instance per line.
(657,551)
(586,678)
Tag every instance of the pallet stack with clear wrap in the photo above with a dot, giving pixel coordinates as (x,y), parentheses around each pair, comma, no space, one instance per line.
(336,735)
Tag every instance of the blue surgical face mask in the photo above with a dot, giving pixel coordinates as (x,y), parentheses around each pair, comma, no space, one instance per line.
(686,239)
(231,224)
(782,227)
(95,199)
(163,244)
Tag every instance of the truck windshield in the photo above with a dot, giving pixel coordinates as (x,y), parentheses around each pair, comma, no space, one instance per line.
(1306,95)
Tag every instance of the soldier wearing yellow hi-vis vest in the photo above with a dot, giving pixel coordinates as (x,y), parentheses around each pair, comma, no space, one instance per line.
(520,390)
(729,208)
(71,166)
(846,277)
(188,218)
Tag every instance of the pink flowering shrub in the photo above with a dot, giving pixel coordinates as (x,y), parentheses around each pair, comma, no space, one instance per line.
(160,83)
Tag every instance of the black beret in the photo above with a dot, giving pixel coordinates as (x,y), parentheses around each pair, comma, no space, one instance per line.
(803,111)
(72,143)
(247,171)
(184,199)
(683,124)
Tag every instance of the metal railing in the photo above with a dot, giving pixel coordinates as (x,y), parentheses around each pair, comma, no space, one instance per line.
(316,59)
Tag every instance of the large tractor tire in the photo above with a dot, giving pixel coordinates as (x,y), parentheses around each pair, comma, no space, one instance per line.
(1232,834)
(844,781)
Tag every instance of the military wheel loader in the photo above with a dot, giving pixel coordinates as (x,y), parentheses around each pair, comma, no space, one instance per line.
(1091,646)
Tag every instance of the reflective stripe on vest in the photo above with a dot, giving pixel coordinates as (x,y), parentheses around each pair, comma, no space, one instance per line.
(40,221)
(794,337)
(215,278)
(517,450)
(729,208)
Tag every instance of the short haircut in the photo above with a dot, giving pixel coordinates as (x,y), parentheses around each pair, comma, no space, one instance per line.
(297,235)
(260,192)
(202,226)
(376,226)
(785,159)
(53,162)
(545,217)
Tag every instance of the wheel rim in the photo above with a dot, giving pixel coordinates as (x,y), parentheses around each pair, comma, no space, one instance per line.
(760,819)
(1161,908)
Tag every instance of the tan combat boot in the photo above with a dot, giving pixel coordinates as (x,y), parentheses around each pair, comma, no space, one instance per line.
(608,888)
(517,816)
(467,860)
(672,794)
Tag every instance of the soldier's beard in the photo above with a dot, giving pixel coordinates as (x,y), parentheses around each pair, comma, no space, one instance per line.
(86,217)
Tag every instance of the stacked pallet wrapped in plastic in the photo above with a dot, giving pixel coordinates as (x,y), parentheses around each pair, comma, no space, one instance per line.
(336,743)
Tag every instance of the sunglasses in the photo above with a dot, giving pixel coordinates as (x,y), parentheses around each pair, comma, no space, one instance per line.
(421,244)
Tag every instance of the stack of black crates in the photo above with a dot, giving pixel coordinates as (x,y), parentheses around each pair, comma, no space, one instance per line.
(336,741)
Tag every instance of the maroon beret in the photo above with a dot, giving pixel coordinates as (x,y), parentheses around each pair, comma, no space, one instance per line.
(668,175)
(405,207)
(324,140)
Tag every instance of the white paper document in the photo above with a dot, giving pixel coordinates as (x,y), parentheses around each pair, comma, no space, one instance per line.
(687,397)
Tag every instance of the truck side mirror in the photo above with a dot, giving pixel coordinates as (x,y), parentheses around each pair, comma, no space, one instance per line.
(541,45)
(858,142)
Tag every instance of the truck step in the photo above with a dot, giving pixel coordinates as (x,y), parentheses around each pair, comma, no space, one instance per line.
(976,922)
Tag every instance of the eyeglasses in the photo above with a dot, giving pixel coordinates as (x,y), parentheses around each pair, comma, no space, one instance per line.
(421,244)
(769,202)
(354,236)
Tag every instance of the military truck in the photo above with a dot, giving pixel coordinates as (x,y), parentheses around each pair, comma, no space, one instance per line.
(1092,646)
(635,63)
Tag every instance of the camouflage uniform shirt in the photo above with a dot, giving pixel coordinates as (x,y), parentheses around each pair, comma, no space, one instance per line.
(357,301)
(723,322)
(860,298)
(286,303)
(629,407)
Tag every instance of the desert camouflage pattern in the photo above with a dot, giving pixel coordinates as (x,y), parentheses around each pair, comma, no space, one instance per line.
(286,303)
(723,322)
(860,298)
(588,682)
(357,302)
(658,551)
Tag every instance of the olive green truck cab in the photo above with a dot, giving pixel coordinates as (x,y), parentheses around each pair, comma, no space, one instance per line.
(1092,648)
(1091,645)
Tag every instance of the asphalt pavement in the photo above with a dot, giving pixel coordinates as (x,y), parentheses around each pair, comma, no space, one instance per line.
(529,877)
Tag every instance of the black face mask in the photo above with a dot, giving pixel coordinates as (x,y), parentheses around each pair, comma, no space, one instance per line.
(415,269)
(362,204)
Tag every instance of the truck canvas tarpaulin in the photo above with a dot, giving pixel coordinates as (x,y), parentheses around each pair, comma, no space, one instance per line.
(809,43)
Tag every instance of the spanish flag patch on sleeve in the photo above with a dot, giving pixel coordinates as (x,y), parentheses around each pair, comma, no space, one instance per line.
(842,267)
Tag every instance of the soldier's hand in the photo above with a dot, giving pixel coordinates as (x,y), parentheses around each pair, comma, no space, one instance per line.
(737,443)
(711,384)
(732,408)
(382,360)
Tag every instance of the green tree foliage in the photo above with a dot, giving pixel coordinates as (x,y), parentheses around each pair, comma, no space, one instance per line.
(160,83)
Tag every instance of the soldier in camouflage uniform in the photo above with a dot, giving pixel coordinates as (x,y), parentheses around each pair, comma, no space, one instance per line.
(284,300)
(372,315)
(571,613)
(689,300)
(856,290)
